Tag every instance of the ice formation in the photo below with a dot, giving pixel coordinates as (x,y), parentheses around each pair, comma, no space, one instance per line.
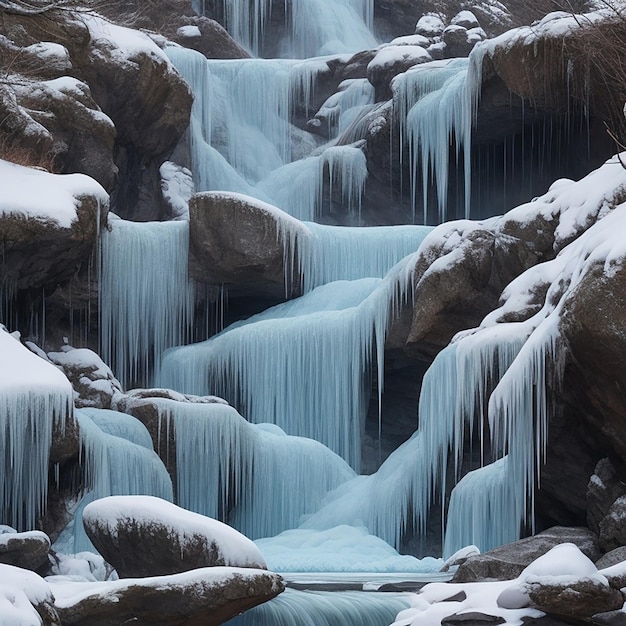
(146,297)
(241,137)
(312,27)
(274,366)
(117,459)
(28,416)
(253,476)
(304,608)
(435,105)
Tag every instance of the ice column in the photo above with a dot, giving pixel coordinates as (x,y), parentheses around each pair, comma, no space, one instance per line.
(35,398)
(146,297)
(252,476)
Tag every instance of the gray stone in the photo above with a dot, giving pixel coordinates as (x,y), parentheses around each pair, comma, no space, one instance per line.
(236,242)
(609,618)
(574,599)
(618,555)
(472,619)
(507,562)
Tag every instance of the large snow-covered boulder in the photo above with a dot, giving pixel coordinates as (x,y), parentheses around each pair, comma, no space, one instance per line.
(146,536)
(202,597)
(390,61)
(236,241)
(28,550)
(508,561)
(48,225)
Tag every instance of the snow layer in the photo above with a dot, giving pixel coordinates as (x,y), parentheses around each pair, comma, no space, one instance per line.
(235,549)
(35,194)
(19,591)
(203,579)
(563,563)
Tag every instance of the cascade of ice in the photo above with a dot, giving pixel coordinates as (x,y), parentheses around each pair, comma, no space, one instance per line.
(298,187)
(401,492)
(253,476)
(274,367)
(114,464)
(146,297)
(344,106)
(318,608)
(241,136)
(484,509)
(435,105)
(312,27)
(35,399)
(343,253)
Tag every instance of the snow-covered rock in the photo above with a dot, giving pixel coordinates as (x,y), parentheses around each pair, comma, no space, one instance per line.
(430,26)
(208,596)
(25,599)
(28,550)
(146,536)
(93,381)
(49,224)
(236,241)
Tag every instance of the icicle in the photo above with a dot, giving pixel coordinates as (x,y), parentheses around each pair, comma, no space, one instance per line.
(35,398)
(275,366)
(146,298)
(312,28)
(342,253)
(484,510)
(252,476)
(113,465)
(436,104)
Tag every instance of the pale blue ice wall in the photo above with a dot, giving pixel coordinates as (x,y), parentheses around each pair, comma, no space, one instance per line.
(146,297)
(311,28)
(117,459)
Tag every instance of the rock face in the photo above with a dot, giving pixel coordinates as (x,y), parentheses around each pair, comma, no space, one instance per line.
(145,536)
(204,597)
(507,562)
(235,241)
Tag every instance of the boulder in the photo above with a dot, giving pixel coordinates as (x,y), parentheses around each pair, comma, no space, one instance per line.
(26,598)
(578,599)
(507,562)
(176,20)
(83,137)
(28,550)
(145,536)
(389,62)
(48,227)
(93,381)
(235,242)
(613,526)
(472,618)
(202,597)
(610,618)
(614,557)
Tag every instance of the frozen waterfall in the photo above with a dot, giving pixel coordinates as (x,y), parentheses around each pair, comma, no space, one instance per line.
(307,27)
